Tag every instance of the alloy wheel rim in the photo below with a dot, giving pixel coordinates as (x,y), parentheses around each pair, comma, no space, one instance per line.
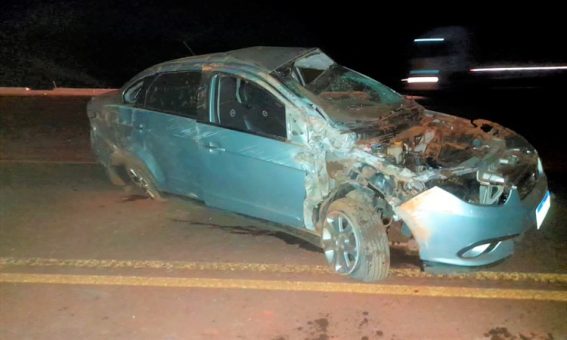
(340,243)
(140,181)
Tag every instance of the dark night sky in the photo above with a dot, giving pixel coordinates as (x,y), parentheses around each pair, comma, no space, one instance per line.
(104,43)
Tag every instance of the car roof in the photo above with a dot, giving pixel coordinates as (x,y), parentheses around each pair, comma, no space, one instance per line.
(267,58)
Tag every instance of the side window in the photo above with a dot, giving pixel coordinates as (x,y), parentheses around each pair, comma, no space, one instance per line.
(174,93)
(246,106)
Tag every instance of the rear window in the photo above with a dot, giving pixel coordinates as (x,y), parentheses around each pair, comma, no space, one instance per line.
(174,93)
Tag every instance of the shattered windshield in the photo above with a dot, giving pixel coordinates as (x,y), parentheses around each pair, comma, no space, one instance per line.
(351,96)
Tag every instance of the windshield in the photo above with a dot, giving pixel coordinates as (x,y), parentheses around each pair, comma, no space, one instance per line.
(351,96)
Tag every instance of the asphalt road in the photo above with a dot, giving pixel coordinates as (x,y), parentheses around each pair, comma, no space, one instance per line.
(80,258)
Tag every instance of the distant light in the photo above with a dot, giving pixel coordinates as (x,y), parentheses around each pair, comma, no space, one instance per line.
(422,79)
(424,72)
(512,69)
(428,40)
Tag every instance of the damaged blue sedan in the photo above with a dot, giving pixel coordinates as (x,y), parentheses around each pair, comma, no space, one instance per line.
(289,136)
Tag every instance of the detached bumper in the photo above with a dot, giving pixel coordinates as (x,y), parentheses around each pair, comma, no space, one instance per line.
(447,229)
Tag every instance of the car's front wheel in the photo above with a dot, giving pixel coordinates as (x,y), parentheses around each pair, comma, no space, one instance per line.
(355,242)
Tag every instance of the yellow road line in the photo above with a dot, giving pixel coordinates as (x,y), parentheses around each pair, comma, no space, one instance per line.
(34,161)
(267,268)
(293,286)
(167,265)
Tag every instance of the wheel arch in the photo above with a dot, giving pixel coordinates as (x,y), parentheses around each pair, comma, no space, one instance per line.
(355,191)
(140,158)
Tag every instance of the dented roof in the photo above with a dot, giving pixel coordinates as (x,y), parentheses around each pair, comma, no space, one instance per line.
(268,58)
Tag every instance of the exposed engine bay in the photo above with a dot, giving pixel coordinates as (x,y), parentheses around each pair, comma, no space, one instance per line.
(477,161)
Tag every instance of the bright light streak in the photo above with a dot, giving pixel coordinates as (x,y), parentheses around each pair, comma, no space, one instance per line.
(422,79)
(511,69)
(428,40)
(424,72)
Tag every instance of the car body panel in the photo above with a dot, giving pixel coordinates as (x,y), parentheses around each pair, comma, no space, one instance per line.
(252,175)
(172,140)
(444,225)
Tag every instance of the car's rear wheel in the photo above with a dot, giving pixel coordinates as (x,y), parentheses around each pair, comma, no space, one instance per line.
(354,241)
(143,181)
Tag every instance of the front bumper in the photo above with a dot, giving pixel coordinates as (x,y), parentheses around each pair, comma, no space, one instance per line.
(445,226)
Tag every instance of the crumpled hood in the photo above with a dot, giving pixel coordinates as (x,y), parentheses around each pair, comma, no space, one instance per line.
(442,141)
(437,148)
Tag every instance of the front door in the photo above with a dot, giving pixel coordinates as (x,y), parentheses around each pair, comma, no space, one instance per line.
(249,166)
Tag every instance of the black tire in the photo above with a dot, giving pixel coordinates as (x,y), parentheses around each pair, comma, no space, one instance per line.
(373,252)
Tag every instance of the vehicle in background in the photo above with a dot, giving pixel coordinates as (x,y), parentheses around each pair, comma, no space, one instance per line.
(289,136)
(460,58)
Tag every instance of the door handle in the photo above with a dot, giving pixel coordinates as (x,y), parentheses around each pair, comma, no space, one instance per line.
(213,147)
(140,127)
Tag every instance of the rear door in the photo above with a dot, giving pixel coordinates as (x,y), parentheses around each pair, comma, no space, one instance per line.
(168,121)
(249,166)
